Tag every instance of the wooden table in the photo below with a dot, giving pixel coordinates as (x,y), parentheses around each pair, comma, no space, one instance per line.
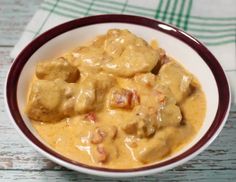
(20,162)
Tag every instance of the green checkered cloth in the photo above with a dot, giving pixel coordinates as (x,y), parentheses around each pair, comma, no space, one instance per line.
(213,22)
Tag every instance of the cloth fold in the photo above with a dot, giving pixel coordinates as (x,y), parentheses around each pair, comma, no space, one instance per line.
(212,22)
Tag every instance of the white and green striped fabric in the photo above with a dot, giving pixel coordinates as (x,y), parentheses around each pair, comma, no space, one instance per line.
(213,22)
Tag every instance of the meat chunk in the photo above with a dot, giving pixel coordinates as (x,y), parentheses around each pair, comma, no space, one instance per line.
(130,54)
(90,58)
(104,83)
(68,106)
(153,151)
(57,68)
(134,59)
(169,115)
(44,101)
(99,41)
(156,147)
(161,144)
(51,100)
(177,79)
(123,98)
(143,124)
(86,99)
(117,40)
(147,79)
(92,93)
(164,94)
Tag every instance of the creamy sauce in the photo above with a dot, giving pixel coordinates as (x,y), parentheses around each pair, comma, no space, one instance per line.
(117,103)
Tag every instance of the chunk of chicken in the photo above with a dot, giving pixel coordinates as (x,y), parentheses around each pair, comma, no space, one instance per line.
(68,106)
(123,98)
(147,79)
(161,144)
(134,59)
(157,147)
(51,100)
(57,68)
(86,99)
(44,101)
(99,41)
(143,124)
(164,94)
(169,115)
(92,93)
(117,40)
(177,79)
(90,58)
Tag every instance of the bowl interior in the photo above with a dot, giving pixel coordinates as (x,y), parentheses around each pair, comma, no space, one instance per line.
(173,46)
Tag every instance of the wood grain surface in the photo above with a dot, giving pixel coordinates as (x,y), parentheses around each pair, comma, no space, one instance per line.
(20,162)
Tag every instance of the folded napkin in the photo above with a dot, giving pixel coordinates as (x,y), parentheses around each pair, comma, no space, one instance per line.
(212,22)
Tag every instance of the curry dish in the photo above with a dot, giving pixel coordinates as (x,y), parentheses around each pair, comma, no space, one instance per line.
(116,102)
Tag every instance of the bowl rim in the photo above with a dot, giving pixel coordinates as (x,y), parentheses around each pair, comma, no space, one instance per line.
(198,47)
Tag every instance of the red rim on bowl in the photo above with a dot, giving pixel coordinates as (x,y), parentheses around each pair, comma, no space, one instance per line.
(210,60)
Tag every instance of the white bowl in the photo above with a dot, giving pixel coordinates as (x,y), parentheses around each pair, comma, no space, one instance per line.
(180,45)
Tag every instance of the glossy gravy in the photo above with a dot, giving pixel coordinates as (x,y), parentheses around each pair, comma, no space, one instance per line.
(117,102)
